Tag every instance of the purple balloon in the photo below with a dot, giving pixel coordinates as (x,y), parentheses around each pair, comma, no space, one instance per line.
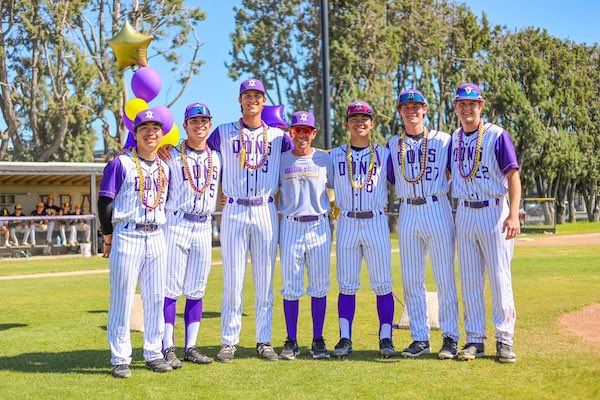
(274,116)
(145,83)
(130,142)
(166,117)
(128,123)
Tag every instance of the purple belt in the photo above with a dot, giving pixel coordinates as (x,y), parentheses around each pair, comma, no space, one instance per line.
(251,201)
(306,218)
(144,227)
(420,200)
(479,204)
(361,215)
(195,217)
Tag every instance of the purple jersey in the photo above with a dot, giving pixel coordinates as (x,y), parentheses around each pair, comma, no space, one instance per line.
(497,158)
(121,183)
(240,182)
(434,180)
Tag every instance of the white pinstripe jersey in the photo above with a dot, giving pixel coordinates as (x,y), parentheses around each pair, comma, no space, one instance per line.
(181,195)
(241,182)
(434,179)
(304,183)
(497,158)
(374,195)
(121,183)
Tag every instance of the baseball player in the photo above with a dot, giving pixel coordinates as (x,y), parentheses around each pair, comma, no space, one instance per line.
(19,226)
(66,210)
(80,224)
(484,171)
(419,168)
(192,200)
(4,227)
(131,208)
(40,225)
(305,235)
(51,209)
(360,187)
(251,153)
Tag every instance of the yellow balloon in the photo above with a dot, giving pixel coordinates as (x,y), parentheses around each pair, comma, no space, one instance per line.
(134,106)
(172,137)
(130,47)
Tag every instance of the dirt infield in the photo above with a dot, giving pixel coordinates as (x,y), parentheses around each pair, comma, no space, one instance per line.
(584,324)
(565,240)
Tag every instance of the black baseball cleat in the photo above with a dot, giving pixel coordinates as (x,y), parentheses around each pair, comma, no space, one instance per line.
(416,349)
(159,365)
(226,353)
(171,357)
(386,348)
(121,371)
(343,348)
(471,351)
(318,350)
(504,353)
(193,355)
(448,350)
(290,350)
(265,350)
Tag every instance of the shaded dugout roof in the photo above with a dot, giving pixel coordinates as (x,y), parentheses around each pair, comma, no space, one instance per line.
(49,173)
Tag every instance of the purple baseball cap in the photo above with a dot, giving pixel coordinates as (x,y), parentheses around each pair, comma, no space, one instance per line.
(359,107)
(144,116)
(411,96)
(252,84)
(303,118)
(196,110)
(468,91)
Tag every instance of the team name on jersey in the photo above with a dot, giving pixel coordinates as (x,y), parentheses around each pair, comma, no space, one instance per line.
(150,183)
(361,168)
(252,146)
(467,154)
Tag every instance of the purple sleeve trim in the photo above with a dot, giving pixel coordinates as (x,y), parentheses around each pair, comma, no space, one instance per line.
(390,170)
(505,153)
(214,140)
(287,144)
(113,178)
(449,161)
(330,174)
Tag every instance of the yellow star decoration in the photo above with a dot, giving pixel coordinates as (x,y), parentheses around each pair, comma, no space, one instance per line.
(130,47)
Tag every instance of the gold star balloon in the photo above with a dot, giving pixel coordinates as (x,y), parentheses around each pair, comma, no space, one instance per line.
(130,47)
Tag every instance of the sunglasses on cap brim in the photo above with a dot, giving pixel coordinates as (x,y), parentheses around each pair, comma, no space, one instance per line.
(411,98)
(197,111)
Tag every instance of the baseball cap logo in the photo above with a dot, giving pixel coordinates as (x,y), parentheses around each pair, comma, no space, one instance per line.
(411,95)
(252,83)
(468,89)
(149,114)
(304,117)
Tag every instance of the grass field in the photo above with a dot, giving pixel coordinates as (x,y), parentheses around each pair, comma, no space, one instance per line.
(53,342)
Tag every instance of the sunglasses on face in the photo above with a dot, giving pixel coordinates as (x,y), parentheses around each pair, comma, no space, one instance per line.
(197,110)
(302,130)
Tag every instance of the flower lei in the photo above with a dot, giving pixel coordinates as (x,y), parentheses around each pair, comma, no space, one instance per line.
(401,148)
(473,172)
(351,169)
(161,180)
(188,175)
(265,153)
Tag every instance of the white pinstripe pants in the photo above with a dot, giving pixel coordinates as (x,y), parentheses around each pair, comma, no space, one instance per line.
(134,256)
(422,228)
(481,245)
(243,229)
(189,246)
(300,244)
(368,238)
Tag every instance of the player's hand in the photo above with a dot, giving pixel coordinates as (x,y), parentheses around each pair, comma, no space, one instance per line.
(107,245)
(223,200)
(164,152)
(511,226)
(335,211)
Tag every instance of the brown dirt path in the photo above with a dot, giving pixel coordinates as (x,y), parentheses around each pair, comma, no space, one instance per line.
(564,240)
(584,324)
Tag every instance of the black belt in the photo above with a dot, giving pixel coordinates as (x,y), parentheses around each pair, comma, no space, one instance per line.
(479,204)
(420,200)
(195,217)
(306,218)
(146,227)
(252,201)
(361,215)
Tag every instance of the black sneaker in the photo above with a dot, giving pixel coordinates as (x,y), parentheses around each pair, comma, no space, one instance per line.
(159,365)
(386,348)
(290,350)
(265,350)
(448,350)
(417,349)
(343,348)
(318,349)
(121,371)
(193,355)
(504,353)
(471,351)
(226,353)
(171,357)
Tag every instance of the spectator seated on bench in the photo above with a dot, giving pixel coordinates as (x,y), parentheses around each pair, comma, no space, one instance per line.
(19,227)
(41,225)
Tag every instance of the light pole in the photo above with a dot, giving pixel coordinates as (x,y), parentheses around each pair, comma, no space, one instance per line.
(325,74)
